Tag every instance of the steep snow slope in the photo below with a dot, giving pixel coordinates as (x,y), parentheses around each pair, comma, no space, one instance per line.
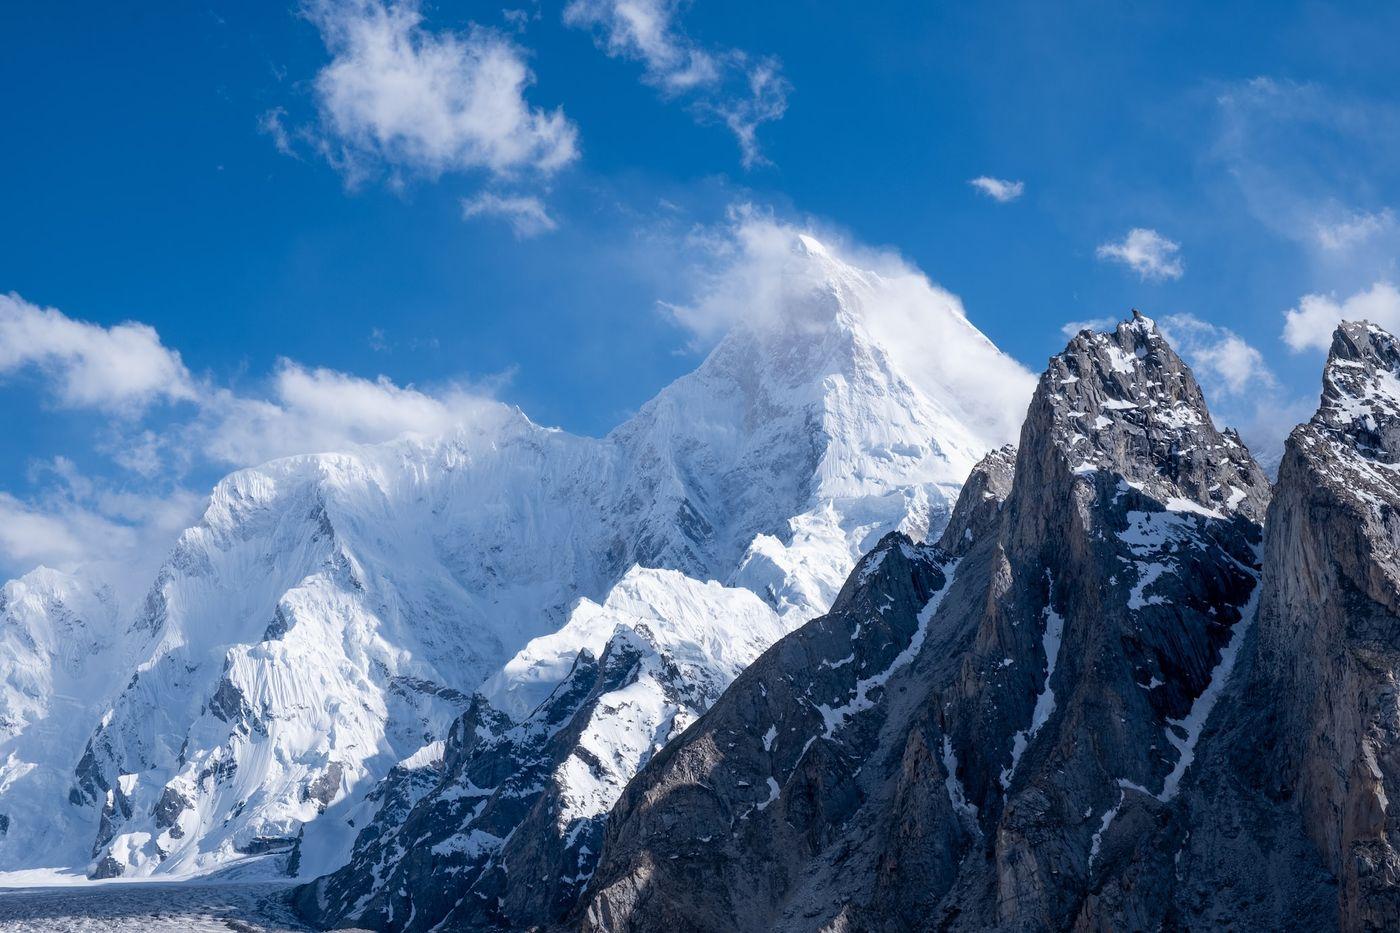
(60,658)
(530,799)
(711,629)
(331,614)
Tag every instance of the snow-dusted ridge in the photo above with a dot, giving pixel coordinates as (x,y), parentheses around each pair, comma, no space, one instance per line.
(331,615)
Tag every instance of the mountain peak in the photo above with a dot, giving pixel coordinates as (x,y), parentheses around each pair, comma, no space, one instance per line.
(811,246)
(1124,402)
(1361,389)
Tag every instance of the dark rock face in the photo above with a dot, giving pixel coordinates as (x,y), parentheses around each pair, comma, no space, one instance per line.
(452,839)
(1289,822)
(1330,625)
(980,732)
(726,823)
(1110,697)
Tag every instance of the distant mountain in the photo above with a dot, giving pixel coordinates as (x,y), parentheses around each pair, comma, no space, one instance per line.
(333,620)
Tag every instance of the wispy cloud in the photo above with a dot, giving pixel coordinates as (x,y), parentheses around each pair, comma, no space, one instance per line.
(1152,256)
(998,189)
(273,124)
(1304,158)
(648,31)
(401,98)
(1351,229)
(1311,323)
(765,102)
(739,90)
(525,214)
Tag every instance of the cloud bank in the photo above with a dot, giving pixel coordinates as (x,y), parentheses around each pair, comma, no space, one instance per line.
(120,525)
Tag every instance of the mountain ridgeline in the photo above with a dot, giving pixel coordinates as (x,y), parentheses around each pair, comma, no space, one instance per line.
(1128,690)
(299,670)
(1129,686)
(805,645)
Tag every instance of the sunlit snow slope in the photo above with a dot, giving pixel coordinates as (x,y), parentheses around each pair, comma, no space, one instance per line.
(332,614)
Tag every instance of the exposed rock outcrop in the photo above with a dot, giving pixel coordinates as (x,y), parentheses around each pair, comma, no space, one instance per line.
(529,800)
(1289,824)
(978,732)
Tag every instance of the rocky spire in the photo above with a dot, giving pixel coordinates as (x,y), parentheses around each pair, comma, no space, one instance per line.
(1124,403)
(1308,753)
(1046,707)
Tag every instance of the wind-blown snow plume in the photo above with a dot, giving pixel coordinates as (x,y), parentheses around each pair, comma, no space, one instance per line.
(756,277)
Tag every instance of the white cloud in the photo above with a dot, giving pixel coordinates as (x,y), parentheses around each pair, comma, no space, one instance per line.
(1071,329)
(1311,323)
(31,536)
(1148,253)
(122,368)
(741,91)
(1351,230)
(525,214)
(999,189)
(115,536)
(318,410)
(1224,362)
(401,96)
(645,30)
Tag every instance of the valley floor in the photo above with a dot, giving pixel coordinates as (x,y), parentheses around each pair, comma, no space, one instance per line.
(193,906)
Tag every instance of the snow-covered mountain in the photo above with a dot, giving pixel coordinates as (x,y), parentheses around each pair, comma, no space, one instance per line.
(331,616)
(506,800)
(60,655)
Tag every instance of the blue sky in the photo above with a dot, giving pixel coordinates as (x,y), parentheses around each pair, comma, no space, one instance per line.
(219,173)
